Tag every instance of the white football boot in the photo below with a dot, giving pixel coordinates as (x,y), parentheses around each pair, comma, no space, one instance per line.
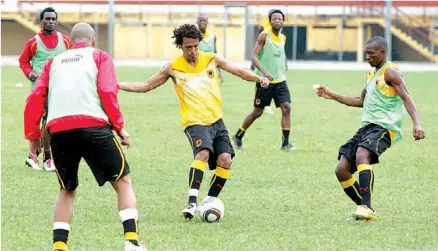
(189,211)
(48,166)
(129,246)
(33,163)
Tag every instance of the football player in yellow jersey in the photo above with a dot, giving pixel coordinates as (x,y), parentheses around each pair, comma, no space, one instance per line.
(208,43)
(201,109)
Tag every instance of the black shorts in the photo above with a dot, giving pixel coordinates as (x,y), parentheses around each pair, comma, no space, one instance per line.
(372,137)
(215,138)
(279,92)
(99,148)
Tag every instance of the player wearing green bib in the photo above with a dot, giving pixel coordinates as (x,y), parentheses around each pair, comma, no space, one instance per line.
(269,59)
(208,42)
(383,98)
(38,50)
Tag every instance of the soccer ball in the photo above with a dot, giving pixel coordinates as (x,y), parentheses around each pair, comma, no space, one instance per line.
(211,209)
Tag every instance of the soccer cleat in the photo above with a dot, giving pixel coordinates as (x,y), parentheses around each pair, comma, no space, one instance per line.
(129,246)
(48,166)
(365,213)
(288,147)
(33,163)
(206,200)
(268,110)
(189,211)
(237,142)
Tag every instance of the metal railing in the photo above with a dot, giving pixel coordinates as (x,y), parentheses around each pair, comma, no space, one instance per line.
(416,29)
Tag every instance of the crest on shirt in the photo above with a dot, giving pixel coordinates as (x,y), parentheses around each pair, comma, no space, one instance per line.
(198,142)
(210,73)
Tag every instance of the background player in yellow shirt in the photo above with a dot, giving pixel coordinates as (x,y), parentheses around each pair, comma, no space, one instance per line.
(201,109)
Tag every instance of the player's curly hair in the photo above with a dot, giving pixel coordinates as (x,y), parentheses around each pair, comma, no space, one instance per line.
(48,9)
(186,31)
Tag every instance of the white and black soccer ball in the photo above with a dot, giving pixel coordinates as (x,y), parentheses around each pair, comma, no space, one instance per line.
(212,211)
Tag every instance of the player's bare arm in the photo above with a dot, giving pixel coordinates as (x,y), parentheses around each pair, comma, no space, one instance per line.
(261,40)
(326,93)
(236,71)
(151,83)
(221,77)
(394,78)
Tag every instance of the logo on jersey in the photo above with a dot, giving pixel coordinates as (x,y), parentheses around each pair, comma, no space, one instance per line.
(75,58)
(210,73)
(198,142)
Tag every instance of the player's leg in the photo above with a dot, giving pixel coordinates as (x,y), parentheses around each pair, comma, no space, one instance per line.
(285,126)
(202,144)
(263,97)
(66,155)
(47,161)
(347,166)
(224,152)
(107,161)
(282,99)
(32,161)
(344,174)
(366,179)
(255,114)
(375,141)
(128,213)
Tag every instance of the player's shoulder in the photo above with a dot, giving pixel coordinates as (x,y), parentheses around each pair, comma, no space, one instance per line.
(391,68)
(266,25)
(392,73)
(204,54)
(212,34)
(65,36)
(283,36)
(264,34)
(99,56)
(31,41)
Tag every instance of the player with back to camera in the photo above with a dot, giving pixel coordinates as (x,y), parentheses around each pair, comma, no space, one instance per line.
(80,87)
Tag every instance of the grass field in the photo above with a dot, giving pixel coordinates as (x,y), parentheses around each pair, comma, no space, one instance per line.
(274,200)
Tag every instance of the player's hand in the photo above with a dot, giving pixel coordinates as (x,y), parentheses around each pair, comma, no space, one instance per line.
(268,76)
(35,147)
(33,76)
(323,91)
(418,132)
(264,82)
(125,138)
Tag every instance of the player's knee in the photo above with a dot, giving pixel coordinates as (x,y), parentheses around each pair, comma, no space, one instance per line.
(343,169)
(285,108)
(363,156)
(121,183)
(224,160)
(68,194)
(125,179)
(257,113)
(203,155)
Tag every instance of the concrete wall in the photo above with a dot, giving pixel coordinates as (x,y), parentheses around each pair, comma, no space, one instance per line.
(13,37)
